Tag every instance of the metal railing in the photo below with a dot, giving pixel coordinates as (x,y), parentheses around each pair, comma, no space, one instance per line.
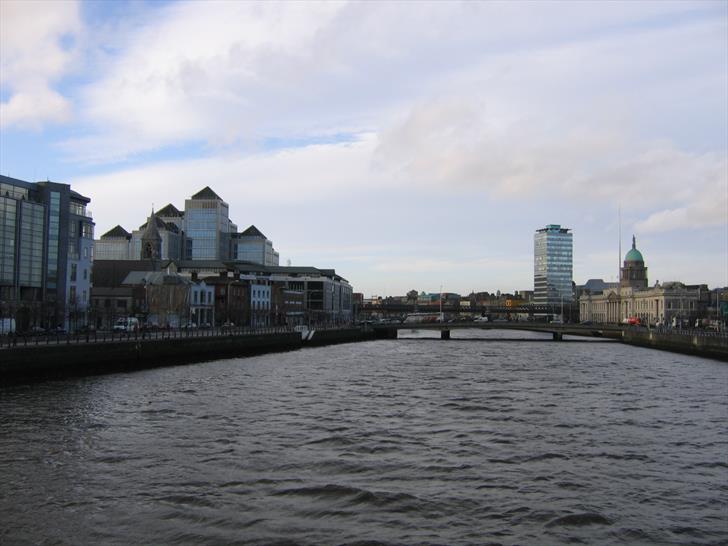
(10,341)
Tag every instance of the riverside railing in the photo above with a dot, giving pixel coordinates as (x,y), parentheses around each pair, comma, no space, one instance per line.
(19,340)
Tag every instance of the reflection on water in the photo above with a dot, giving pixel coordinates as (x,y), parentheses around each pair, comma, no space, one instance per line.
(400,441)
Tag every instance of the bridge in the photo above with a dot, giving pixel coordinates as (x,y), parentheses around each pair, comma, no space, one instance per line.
(449,308)
(557,331)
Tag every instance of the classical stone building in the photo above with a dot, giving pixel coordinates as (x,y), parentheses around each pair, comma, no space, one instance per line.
(666,303)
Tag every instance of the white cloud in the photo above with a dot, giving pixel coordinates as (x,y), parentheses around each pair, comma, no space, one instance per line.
(32,57)
(709,209)
(222,73)
(537,107)
(260,179)
(544,106)
(455,143)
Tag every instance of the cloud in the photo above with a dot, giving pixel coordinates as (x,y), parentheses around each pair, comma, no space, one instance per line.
(32,57)
(321,171)
(196,74)
(708,210)
(223,74)
(455,143)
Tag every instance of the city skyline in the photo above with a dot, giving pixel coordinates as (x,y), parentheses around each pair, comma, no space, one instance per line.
(406,157)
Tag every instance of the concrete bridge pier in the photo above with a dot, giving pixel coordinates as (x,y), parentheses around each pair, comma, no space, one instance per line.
(444,334)
(558,336)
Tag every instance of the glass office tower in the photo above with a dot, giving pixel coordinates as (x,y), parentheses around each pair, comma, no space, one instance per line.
(553,265)
(207,227)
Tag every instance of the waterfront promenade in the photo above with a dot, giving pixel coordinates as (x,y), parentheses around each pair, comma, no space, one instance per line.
(38,357)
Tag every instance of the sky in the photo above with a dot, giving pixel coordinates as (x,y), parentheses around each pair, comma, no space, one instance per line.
(408,145)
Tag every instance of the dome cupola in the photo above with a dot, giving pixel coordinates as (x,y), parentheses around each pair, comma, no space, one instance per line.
(634,255)
(634,272)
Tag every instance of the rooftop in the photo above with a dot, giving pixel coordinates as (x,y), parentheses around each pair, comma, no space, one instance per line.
(206,193)
(170,211)
(252,231)
(634,255)
(117,232)
(553,228)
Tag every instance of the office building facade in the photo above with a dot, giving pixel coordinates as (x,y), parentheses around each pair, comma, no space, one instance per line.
(208,227)
(202,231)
(253,247)
(46,254)
(553,266)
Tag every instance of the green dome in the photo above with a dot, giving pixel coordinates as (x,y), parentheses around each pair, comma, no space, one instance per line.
(634,255)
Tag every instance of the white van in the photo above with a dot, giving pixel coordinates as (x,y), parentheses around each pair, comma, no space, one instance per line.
(126,324)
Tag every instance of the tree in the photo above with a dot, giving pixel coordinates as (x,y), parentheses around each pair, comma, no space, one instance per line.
(412,296)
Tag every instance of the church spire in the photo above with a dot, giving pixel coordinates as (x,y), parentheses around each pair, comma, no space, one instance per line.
(634,242)
(151,240)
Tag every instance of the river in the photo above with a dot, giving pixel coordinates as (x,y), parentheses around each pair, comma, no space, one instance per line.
(409,441)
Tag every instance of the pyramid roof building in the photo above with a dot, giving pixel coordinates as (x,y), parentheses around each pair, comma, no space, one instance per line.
(206,193)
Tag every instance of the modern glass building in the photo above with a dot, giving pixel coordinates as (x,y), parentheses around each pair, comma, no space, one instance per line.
(207,227)
(46,253)
(553,265)
(253,247)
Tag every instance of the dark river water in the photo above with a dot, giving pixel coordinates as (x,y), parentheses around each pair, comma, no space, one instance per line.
(409,441)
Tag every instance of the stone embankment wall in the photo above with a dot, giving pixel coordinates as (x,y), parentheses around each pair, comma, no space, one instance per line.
(51,361)
(698,343)
(330,337)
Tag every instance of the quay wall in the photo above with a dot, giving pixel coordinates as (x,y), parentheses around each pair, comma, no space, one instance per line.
(20,364)
(330,337)
(697,344)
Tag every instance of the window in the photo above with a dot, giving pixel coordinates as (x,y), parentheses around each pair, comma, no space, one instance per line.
(74,268)
(85,274)
(77,208)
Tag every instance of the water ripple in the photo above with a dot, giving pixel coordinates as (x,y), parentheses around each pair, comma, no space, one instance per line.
(414,441)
